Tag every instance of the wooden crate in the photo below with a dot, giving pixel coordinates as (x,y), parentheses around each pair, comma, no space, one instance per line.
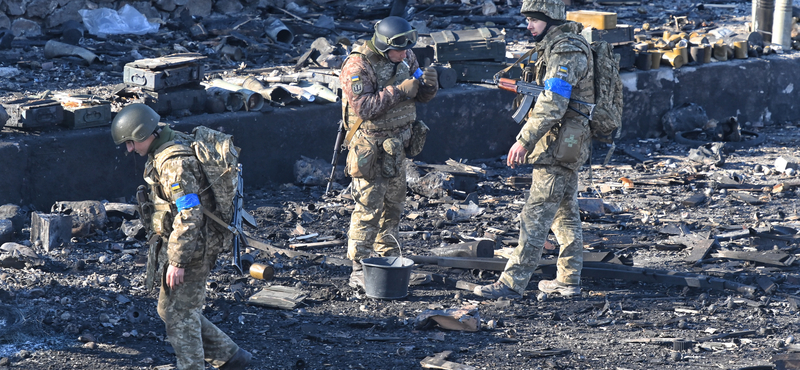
(599,20)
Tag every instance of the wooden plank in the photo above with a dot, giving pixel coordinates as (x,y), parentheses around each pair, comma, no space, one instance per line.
(330,243)
(259,244)
(747,198)
(590,18)
(544,352)
(439,361)
(773,258)
(700,250)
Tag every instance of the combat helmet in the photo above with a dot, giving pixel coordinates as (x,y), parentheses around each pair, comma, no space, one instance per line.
(394,33)
(555,9)
(135,122)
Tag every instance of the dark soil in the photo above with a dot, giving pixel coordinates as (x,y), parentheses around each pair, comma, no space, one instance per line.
(86,309)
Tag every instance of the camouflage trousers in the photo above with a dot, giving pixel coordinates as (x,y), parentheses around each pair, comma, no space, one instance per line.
(194,338)
(552,203)
(378,207)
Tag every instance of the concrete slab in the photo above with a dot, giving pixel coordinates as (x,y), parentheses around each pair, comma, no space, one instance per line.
(471,121)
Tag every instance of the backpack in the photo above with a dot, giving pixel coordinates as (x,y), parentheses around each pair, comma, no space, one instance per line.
(219,160)
(607,116)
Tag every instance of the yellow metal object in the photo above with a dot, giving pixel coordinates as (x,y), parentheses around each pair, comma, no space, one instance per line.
(740,49)
(261,271)
(674,58)
(720,51)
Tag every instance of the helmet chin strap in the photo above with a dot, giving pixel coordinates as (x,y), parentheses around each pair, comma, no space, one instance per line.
(540,37)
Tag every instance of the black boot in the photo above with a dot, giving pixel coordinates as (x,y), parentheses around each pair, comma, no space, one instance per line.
(239,361)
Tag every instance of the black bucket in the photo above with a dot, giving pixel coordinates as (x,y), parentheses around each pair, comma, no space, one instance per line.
(387,277)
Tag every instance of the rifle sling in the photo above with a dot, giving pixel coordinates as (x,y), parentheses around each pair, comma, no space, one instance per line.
(352,131)
(216,219)
(506,69)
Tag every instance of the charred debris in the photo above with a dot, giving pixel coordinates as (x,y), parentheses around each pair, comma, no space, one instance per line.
(702,221)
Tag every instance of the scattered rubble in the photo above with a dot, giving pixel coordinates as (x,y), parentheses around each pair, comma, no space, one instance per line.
(669,282)
(690,249)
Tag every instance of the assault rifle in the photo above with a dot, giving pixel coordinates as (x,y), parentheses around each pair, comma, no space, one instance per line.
(337,149)
(145,208)
(530,91)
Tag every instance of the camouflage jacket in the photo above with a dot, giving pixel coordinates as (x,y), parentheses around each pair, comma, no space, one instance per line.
(174,175)
(563,55)
(369,82)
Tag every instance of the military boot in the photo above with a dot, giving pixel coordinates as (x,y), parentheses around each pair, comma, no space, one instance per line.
(495,291)
(357,276)
(555,286)
(239,361)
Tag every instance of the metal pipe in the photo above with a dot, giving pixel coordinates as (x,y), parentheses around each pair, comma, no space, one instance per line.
(278,32)
(54,49)
(252,100)
(782,24)
(231,99)
(763,18)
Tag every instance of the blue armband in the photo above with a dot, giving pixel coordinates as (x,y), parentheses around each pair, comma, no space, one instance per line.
(187,201)
(559,87)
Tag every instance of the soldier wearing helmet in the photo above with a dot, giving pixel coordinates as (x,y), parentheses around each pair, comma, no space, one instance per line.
(380,91)
(557,142)
(183,245)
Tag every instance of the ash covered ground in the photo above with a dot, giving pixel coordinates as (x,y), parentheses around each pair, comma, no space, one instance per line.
(82,305)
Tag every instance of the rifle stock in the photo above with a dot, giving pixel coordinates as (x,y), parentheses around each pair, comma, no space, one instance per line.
(337,150)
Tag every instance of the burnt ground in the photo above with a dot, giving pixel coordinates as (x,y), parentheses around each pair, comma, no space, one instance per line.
(85,307)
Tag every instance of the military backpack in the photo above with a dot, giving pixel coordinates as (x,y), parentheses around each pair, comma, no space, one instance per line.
(606,120)
(219,160)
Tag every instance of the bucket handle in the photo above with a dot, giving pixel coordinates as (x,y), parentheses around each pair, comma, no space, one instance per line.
(398,246)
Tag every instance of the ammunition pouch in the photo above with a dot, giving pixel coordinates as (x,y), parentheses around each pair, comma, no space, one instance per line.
(145,208)
(155,242)
(392,157)
(569,142)
(419,133)
(162,219)
(362,158)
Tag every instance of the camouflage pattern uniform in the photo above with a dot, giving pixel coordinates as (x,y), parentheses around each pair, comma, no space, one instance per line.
(172,171)
(553,199)
(369,82)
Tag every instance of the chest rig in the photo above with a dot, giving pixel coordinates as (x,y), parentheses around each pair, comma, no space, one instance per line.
(387,74)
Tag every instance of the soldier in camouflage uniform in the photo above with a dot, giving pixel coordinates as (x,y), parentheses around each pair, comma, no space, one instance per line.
(190,242)
(379,111)
(557,142)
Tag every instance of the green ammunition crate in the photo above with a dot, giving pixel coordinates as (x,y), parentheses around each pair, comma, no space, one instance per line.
(479,44)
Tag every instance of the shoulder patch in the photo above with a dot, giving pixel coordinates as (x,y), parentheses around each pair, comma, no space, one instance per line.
(176,188)
(356,85)
(562,71)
